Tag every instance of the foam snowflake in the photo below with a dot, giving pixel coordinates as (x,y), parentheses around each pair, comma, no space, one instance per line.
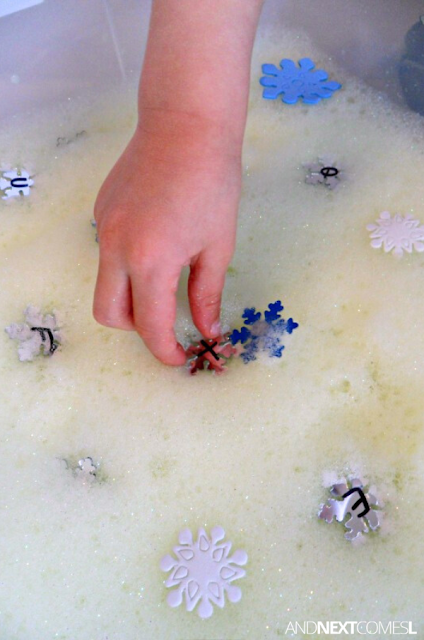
(203,571)
(297,82)
(262,335)
(211,355)
(323,172)
(37,331)
(14,183)
(351,498)
(398,233)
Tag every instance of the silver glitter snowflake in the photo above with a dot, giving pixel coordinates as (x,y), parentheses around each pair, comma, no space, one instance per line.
(38,334)
(351,498)
(203,571)
(14,183)
(87,468)
(324,171)
(398,233)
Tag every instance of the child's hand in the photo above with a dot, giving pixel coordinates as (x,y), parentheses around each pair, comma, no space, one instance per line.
(171,200)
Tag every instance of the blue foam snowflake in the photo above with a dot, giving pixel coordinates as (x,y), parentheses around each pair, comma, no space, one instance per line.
(297,82)
(262,334)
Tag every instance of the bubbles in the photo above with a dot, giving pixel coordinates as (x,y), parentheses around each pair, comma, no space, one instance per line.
(348,391)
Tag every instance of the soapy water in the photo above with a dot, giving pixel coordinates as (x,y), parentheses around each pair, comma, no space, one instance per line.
(252,449)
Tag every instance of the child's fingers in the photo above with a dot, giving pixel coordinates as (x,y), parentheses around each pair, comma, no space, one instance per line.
(112,304)
(205,285)
(155,309)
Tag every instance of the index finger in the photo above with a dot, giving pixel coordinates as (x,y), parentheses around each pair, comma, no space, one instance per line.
(154,290)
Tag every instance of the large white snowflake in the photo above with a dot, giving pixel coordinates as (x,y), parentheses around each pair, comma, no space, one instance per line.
(14,183)
(398,233)
(203,571)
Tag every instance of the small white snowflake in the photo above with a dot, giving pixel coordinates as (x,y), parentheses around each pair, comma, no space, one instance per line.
(352,498)
(398,233)
(14,183)
(37,331)
(203,571)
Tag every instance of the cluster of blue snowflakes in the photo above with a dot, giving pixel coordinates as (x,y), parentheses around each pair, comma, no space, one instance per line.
(262,334)
(297,82)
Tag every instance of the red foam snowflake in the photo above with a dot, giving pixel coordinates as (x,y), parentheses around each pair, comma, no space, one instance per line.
(199,357)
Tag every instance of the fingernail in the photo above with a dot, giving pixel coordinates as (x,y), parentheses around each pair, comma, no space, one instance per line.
(216,328)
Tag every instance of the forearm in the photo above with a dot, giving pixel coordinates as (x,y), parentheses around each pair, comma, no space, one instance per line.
(197,67)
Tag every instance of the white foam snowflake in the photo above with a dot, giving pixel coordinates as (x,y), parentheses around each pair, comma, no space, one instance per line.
(398,233)
(203,571)
(352,498)
(37,331)
(14,183)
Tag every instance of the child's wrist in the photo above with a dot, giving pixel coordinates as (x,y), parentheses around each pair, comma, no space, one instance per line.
(200,132)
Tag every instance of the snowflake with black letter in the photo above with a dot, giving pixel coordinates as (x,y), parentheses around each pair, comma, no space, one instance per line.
(262,334)
(323,172)
(203,571)
(297,82)
(351,498)
(14,183)
(398,233)
(210,354)
(38,334)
